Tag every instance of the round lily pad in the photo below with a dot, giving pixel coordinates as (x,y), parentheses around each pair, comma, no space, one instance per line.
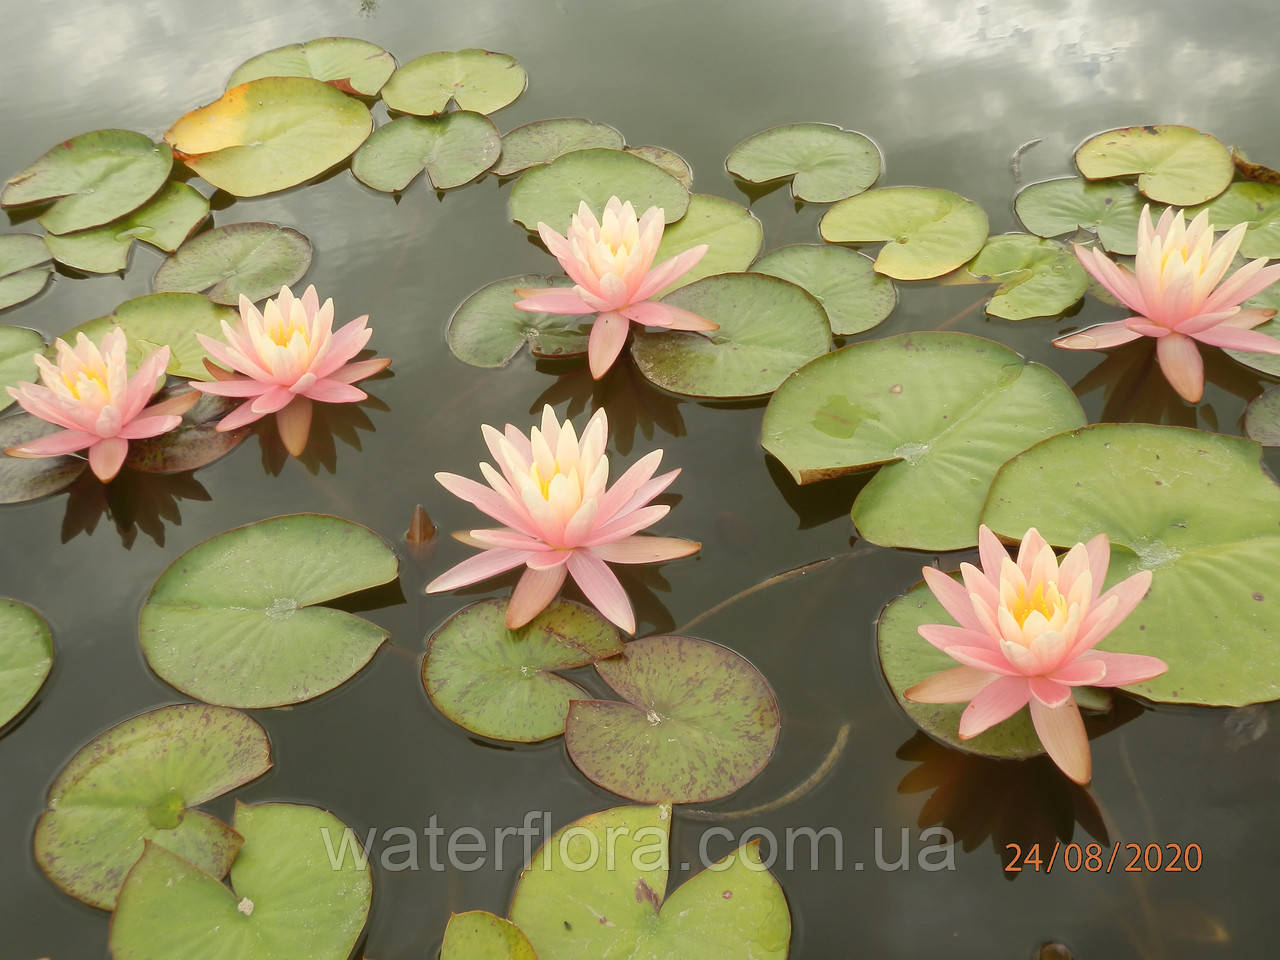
(927,232)
(233,620)
(827,163)
(1262,418)
(18,347)
(139,781)
(544,140)
(696,722)
(1174,164)
(551,194)
(854,296)
(1110,209)
(165,222)
(254,259)
(26,657)
(478,80)
(194,443)
(487,330)
(1194,508)
(731,232)
(768,328)
(24,267)
(667,160)
(1036,277)
(350,65)
(22,479)
(597,889)
(271,134)
(93,179)
(301,887)
(454,148)
(500,683)
(938,413)
(1258,205)
(479,935)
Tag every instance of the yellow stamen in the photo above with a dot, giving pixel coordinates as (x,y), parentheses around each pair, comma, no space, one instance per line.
(1038,601)
(543,485)
(82,379)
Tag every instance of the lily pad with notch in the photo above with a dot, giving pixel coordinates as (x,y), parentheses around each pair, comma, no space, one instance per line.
(453,148)
(26,657)
(488,331)
(1174,164)
(477,80)
(479,935)
(1110,209)
(542,141)
(1036,277)
(824,162)
(731,232)
(255,259)
(353,66)
(854,296)
(24,267)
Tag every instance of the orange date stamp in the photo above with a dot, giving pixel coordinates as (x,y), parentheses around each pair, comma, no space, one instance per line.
(1095,858)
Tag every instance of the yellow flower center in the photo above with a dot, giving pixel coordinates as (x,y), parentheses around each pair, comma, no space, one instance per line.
(543,485)
(1038,601)
(82,379)
(281,333)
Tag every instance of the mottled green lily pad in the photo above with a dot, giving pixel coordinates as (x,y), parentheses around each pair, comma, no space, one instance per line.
(500,683)
(1258,205)
(938,413)
(301,887)
(22,479)
(1174,164)
(827,163)
(164,222)
(731,232)
(768,328)
(1036,277)
(1262,418)
(93,179)
(667,160)
(270,134)
(478,80)
(194,443)
(1111,210)
(350,65)
(575,901)
(139,781)
(544,140)
(453,148)
(854,296)
(479,935)
(26,657)
(254,259)
(24,267)
(487,330)
(1194,508)
(18,347)
(696,722)
(550,194)
(233,620)
(927,232)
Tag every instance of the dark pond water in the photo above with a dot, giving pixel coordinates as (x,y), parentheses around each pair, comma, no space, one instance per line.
(949,90)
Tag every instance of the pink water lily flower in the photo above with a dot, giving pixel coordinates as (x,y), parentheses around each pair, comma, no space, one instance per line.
(90,394)
(285,357)
(1178,296)
(1026,635)
(609,262)
(559,519)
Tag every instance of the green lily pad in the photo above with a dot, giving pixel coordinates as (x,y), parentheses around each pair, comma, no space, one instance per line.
(596,889)
(544,140)
(22,479)
(254,259)
(161,319)
(232,621)
(140,781)
(487,330)
(1192,507)
(24,267)
(697,721)
(768,328)
(927,232)
(1262,418)
(827,163)
(194,443)
(1111,210)
(454,148)
(938,413)
(479,935)
(666,160)
(1258,205)
(164,222)
(18,347)
(26,657)
(731,232)
(1036,277)
(550,194)
(500,683)
(1174,164)
(271,134)
(300,890)
(350,65)
(93,179)
(478,80)
(854,296)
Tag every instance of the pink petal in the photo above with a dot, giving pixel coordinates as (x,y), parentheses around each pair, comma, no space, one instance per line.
(239,417)
(602,589)
(983,658)
(173,406)
(360,370)
(950,686)
(943,636)
(39,402)
(641,548)
(293,423)
(232,388)
(1246,318)
(998,701)
(1114,278)
(552,300)
(1123,669)
(533,594)
(991,553)
(107,456)
(1242,285)
(1233,338)
(143,427)
(626,525)
(955,599)
(1084,672)
(1099,337)
(653,314)
(1099,550)
(1049,692)
(488,564)
(485,499)
(510,539)
(646,492)
(608,336)
(669,271)
(334,391)
(1061,731)
(344,345)
(1182,365)
(54,445)
(274,399)
(1128,593)
(625,486)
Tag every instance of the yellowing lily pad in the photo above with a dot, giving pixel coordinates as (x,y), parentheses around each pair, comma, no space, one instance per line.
(479,935)
(453,148)
(487,330)
(1174,164)
(26,657)
(234,620)
(501,683)
(731,232)
(1262,418)
(927,232)
(854,296)
(478,80)
(18,347)
(350,65)
(22,479)
(826,162)
(24,268)
(1258,205)
(1110,209)
(138,782)
(1192,507)
(93,179)
(254,259)
(544,140)
(937,413)
(270,134)
(1036,277)
(301,887)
